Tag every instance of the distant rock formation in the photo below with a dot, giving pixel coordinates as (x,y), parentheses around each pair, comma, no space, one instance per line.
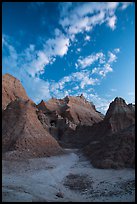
(23,135)
(61,116)
(12,89)
(75,109)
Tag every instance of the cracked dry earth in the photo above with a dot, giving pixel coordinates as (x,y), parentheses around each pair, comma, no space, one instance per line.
(65,178)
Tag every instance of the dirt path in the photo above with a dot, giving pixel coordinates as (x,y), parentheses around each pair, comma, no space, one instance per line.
(68,177)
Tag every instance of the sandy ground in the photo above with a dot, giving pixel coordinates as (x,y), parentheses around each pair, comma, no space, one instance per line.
(66,178)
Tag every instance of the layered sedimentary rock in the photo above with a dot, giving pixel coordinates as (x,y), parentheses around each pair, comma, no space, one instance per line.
(113,139)
(75,109)
(23,135)
(12,89)
(62,116)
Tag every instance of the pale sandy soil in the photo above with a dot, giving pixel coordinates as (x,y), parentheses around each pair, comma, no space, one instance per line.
(70,175)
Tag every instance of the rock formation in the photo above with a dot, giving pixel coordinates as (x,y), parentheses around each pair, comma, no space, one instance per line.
(12,89)
(23,134)
(119,115)
(61,117)
(30,130)
(113,139)
(75,109)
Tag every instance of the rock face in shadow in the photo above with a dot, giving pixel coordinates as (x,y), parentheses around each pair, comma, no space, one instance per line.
(62,116)
(113,139)
(23,135)
(119,115)
(12,89)
(114,151)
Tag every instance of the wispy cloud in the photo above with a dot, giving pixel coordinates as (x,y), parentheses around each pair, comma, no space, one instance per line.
(125,5)
(89,60)
(83,17)
(75,18)
(101,63)
(112,57)
(117,50)
(31,61)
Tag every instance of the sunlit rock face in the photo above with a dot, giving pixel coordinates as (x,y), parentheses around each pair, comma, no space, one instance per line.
(23,135)
(75,109)
(12,89)
(61,117)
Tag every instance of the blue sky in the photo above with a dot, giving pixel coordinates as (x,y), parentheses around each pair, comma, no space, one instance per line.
(62,48)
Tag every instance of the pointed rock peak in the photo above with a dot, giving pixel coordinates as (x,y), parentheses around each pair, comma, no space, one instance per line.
(82,96)
(42,102)
(119,100)
(12,89)
(117,106)
(42,106)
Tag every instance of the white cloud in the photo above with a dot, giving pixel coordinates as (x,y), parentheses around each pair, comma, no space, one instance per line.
(33,60)
(104,62)
(89,60)
(107,68)
(104,66)
(112,5)
(117,50)
(38,64)
(82,17)
(125,5)
(87,38)
(78,49)
(57,46)
(76,81)
(112,57)
(112,22)
(76,88)
(79,18)
(87,81)
(74,20)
